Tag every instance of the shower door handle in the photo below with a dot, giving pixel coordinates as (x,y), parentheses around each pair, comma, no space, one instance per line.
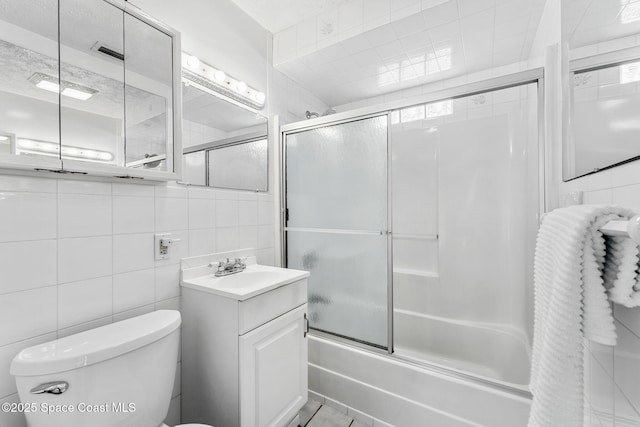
(306,326)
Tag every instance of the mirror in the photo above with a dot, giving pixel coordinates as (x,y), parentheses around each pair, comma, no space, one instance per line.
(225,145)
(29,72)
(601,97)
(84,81)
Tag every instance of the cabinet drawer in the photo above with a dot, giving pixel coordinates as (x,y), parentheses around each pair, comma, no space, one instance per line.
(262,308)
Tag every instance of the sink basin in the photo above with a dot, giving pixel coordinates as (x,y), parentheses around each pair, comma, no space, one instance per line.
(254,280)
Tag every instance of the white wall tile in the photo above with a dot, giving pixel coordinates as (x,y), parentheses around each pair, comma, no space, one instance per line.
(171,213)
(266,236)
(626,361)
(168,304)
(138,311)
(201,213)
(84,258)
(167,282)
(84,187)
(248,236)
(247,212)
(28,265)
(81,327)
(133,289)
(226,239)
(27,314)
(133,214)
(7,353)
(27,216)
(226,213)
(133,252)
(136,190)
(27,183)
(83,301)
(82,215)
(171,190)
(266,213)
(202,241)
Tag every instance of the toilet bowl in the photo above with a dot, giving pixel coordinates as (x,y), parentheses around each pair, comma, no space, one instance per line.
(118,375)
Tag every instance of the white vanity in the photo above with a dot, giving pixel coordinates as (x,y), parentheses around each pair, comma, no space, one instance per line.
(244,345)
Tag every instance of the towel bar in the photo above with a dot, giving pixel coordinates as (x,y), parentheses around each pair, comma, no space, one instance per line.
(629,228)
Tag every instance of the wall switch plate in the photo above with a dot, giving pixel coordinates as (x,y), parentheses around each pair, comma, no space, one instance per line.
(163,245)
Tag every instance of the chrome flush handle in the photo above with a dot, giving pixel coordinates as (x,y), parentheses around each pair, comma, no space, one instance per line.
(55,387)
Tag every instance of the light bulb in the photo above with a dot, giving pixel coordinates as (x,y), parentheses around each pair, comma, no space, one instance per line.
(241,86)
(219,76)
(193,62)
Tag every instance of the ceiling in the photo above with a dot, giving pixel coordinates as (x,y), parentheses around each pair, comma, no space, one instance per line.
(587,22)
(347,57)
(276,15)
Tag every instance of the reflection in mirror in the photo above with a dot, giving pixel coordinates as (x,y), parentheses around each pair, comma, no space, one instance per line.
(92,82)
(239,166)
(148,96)
(29,113)
(225,145)
(602,103)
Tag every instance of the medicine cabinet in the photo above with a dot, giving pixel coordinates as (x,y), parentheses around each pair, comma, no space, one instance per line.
(90,87)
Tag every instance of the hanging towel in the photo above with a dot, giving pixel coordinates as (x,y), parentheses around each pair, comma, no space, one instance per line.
(571,302)
(622,279)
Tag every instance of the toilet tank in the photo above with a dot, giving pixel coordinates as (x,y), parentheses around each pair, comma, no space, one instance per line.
(120,374)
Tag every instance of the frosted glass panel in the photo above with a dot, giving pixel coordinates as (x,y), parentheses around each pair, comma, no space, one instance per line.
(348,283)
(193,168)
(241,167)
(336,176)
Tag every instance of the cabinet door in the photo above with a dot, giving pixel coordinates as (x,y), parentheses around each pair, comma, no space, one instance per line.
(273,371)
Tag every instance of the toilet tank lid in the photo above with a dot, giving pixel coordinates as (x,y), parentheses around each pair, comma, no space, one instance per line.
(95,345)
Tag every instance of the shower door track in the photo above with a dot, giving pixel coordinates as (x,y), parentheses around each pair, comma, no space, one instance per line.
(447,371)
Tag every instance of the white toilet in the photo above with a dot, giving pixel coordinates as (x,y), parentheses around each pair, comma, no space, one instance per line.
(118,375)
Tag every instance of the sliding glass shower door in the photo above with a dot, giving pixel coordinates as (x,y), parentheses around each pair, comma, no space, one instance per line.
(336,225)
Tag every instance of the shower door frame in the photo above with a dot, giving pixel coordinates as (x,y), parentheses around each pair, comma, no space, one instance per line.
(535,75)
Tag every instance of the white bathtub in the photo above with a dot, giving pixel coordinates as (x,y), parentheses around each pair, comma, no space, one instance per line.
(486,350)
(404,394)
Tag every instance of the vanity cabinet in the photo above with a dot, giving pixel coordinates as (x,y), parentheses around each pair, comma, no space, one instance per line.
(89,87)
(244,362)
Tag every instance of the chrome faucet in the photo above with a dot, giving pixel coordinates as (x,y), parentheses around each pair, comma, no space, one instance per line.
(230,266)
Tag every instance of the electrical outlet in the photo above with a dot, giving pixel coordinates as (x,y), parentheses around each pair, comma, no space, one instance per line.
(163,245)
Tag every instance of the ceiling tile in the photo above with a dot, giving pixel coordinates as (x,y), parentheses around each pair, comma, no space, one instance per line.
(380,35)
(470,7)
(409,25)
(441,14)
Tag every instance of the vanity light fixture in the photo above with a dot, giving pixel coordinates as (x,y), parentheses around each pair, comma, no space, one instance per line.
(219,83)
(72,90)
(46,148)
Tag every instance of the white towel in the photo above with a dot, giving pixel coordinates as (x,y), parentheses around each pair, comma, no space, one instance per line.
(570,303)
(623,279)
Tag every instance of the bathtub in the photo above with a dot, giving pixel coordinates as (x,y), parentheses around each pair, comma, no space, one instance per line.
(405,394)
(486,350)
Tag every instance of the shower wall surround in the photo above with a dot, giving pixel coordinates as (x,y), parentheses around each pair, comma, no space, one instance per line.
(75,255)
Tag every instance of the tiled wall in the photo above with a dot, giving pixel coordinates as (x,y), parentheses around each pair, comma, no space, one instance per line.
(75,255)
(612,374)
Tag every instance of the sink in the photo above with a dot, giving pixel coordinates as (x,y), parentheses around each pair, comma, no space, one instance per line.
(254,280)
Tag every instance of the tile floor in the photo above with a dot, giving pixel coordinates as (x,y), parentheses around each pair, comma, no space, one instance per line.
(315,414)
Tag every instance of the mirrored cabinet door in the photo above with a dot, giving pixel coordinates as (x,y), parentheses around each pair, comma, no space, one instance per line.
(92,81)
(148,96)
(88,86)
(29,115)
